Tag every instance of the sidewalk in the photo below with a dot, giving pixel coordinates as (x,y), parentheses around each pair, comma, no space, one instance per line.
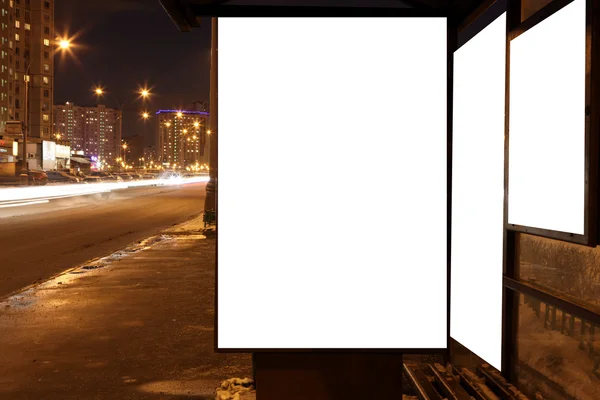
(135,325)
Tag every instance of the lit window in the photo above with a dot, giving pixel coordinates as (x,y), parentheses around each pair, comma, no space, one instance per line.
(46,42)
(46,67)
(17,24)
(27,27)
(45,79)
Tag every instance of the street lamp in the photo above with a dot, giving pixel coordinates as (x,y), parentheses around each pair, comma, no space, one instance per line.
(64,44)
(145,115)
(144,93)
(124,152)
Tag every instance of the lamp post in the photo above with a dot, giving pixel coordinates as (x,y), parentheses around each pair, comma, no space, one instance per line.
(24,177)
(125,153)
(144,93)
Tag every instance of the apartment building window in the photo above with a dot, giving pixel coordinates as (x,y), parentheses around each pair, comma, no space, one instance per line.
(46,55)
(46,42)
(46,4)
(45,106)
(18,51)
(11,3)
(46,118)
(47,17)
(27,27)
(17,24)
(17,116)
(46,67)
(46,93)
(17,89)
(45,79)
(47,30)
(10,44)
(18,64)
(17,103)
(17,37)
(17,12)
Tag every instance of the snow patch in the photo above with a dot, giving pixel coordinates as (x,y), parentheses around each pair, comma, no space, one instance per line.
(236,389)
(479,383)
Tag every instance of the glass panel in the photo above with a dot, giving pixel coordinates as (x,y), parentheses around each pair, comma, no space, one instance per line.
(558,355)
(564,269)
(530,7)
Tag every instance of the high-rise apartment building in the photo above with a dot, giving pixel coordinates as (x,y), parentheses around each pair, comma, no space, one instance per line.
(28,46)
(94,130)
(181,137)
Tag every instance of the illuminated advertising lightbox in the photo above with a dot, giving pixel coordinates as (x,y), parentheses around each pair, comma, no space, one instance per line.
(49,150)
(48,155)
(317,253)
(546,181)
(478,192)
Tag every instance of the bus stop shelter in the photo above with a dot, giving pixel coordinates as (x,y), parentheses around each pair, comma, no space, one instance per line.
(520,161)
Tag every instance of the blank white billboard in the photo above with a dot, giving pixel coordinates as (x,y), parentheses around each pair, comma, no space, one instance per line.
(478,192)
(332,183)
(547,123)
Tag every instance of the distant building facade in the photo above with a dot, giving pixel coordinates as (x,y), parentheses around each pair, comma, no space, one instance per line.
(150,155)
(181,137)
(94,130)
(135,149)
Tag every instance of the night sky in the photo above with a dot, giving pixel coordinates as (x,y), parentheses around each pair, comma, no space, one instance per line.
(121,45)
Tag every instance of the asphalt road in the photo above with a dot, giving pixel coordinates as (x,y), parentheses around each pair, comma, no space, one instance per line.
(39,241)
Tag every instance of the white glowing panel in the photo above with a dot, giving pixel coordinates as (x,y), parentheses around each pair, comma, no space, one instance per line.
(547,123)
(478,192)
(332,183)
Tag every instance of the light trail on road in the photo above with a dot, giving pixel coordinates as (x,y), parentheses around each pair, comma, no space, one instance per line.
(14,197)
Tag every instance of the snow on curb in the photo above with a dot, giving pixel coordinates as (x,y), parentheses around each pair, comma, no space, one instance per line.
(236,389)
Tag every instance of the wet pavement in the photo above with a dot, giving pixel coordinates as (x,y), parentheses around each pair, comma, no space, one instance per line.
(135,325)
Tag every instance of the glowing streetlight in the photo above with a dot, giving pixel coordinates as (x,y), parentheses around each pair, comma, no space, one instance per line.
(179,114)
(167,124)
(145,92)
(196,124)
(99,91)
(63,44)
(185,131)
(145,115)
(208,132)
